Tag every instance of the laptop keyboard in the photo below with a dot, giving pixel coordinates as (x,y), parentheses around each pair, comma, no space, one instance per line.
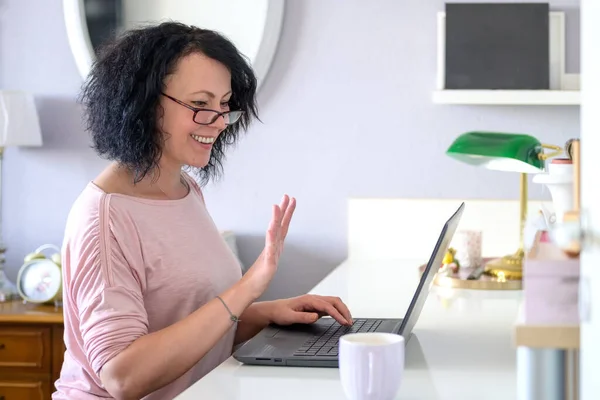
(327,343)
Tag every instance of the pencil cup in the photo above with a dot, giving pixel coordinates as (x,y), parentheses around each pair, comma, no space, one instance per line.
(467,244)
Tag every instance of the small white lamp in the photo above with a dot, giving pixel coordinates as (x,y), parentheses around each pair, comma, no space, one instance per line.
(19,126)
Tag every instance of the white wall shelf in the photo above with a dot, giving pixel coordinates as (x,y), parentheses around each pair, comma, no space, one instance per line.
(507,97)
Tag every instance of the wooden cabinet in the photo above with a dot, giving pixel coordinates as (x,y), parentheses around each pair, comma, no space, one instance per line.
(31,350)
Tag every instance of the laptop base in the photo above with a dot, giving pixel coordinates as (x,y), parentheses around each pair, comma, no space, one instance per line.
(313,345)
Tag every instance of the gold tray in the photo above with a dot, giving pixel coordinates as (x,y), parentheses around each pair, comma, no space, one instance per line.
(485,282)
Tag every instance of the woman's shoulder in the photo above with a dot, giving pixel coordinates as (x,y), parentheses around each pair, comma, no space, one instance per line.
(92,210)
(86,207)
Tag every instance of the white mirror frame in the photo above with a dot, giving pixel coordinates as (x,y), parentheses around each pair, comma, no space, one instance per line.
(83,52)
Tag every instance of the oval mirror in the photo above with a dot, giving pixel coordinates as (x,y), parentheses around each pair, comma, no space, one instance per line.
(253,26)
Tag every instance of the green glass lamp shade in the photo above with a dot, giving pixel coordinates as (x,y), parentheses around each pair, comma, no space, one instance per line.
(499,151)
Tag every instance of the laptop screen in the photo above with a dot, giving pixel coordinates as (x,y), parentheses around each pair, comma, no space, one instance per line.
(434,264)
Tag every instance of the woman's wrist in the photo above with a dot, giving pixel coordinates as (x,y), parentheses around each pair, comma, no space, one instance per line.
(249,288)
(265,311)
(256,317)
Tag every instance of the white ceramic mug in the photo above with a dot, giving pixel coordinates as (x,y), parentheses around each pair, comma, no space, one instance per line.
(371,365)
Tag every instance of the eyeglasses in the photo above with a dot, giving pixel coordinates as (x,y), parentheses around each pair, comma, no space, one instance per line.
(206,116)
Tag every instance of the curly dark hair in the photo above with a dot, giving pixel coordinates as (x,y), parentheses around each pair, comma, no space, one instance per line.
(121,94)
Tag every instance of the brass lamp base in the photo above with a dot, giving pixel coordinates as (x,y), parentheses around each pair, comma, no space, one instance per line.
(507,267)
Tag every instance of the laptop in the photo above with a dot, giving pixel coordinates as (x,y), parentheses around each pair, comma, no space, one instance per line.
(316,345)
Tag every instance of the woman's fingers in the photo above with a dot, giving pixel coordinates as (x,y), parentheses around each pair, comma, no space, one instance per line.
(273,230)
(323,306)
(283,205)
(278,228)
(341,307)
(287,217)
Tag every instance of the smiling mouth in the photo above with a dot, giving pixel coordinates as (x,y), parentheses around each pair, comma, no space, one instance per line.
(204,139)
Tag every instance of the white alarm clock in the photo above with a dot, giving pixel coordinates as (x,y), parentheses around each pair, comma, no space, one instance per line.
(40,278)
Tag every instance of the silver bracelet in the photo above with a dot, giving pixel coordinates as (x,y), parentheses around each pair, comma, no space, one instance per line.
(232,316)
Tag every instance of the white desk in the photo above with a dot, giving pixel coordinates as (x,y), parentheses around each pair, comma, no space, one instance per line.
(462,347)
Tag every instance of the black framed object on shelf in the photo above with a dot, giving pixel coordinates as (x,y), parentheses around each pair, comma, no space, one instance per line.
(502,46)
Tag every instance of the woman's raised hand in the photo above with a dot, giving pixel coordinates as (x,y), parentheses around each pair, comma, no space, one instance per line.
(259,275)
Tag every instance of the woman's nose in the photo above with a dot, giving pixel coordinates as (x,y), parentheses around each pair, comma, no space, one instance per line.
(219,123)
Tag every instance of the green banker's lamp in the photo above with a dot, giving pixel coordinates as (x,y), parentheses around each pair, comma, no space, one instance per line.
(505,152)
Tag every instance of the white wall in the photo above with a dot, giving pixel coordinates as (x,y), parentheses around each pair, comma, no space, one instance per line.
(346,112)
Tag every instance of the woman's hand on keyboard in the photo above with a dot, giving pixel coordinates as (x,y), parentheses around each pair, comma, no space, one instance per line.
(308,309)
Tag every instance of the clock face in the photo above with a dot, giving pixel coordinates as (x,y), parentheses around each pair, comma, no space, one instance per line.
(40,280)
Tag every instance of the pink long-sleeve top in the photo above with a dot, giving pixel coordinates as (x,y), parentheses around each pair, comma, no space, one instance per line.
(132,266)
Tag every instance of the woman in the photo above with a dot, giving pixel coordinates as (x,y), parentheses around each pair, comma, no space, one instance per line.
(153,297)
